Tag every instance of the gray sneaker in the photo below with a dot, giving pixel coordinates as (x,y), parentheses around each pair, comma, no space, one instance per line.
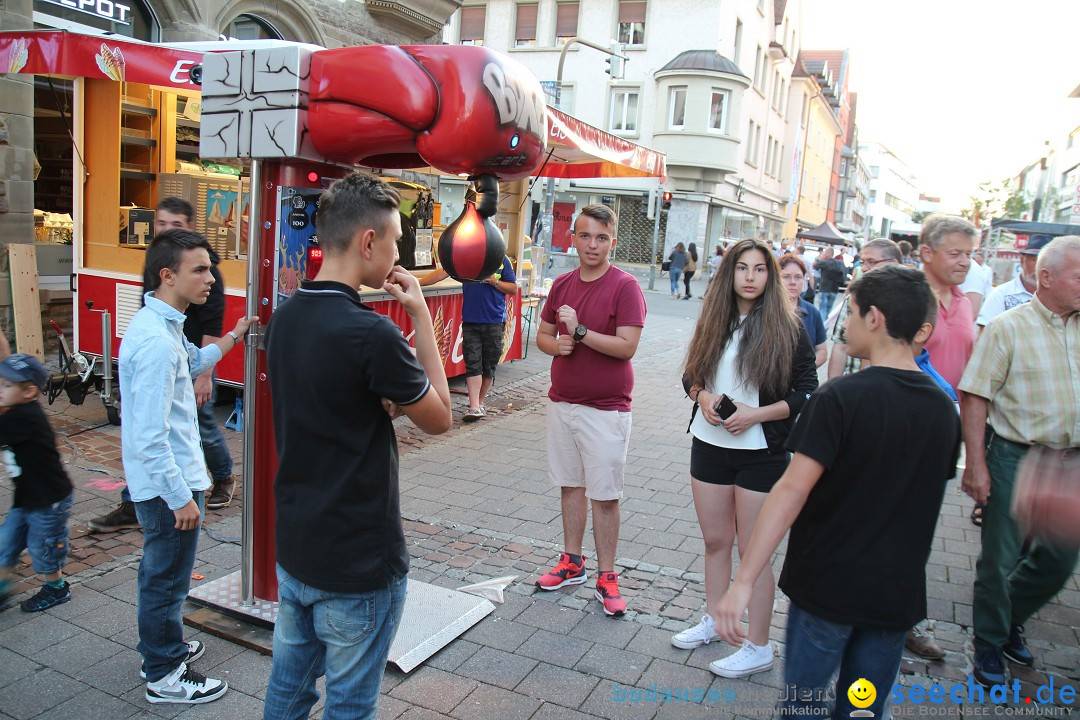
(184,685)
(473,414)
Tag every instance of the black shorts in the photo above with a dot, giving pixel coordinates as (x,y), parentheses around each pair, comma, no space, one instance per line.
(482,345)
(755,470)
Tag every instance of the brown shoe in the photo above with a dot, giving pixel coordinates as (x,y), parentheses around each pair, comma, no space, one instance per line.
(923,646)
(220,494)
(122,518)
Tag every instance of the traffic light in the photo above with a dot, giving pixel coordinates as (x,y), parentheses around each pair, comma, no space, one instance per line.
(615,61)
(665,201)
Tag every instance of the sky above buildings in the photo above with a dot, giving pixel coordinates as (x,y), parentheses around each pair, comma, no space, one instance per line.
(961,90)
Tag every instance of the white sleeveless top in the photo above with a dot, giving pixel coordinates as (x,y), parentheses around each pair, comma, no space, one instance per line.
(727,381)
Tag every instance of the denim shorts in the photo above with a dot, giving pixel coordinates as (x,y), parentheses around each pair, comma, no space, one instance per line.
(41,531)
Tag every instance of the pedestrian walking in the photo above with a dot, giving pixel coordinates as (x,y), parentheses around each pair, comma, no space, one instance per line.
(690,268)
(676,262)
(38,518)
(1020,391)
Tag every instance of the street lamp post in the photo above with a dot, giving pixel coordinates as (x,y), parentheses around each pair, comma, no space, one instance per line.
(547,218)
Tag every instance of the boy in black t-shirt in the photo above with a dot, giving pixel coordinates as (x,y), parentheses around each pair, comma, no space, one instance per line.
(38,519)
(860,505)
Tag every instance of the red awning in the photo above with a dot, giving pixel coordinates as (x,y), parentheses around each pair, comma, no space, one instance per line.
(56,52)
(579,150)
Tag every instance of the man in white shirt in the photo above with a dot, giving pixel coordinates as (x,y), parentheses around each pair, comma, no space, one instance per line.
(978,283)
(1018,290)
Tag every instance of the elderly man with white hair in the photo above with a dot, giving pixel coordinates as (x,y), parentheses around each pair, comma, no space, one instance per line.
(1021,388)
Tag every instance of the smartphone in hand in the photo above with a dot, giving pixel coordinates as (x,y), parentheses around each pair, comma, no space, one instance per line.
(725,408)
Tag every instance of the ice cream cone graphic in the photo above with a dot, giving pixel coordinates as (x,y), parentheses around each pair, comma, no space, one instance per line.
(111,62)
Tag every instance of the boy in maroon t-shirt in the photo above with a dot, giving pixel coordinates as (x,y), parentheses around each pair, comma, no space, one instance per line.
(591,324)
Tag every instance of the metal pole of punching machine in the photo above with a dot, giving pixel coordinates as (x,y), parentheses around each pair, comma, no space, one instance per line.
(251,308)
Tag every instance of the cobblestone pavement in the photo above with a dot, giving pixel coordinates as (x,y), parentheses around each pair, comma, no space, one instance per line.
(478,504)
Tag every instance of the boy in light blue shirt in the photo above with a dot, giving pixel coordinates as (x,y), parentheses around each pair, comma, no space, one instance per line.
(163,461)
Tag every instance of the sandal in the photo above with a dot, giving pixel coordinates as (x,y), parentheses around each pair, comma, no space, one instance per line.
(977,515)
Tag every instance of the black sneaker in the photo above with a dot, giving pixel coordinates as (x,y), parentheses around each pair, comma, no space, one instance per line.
(47,597)
(221,494)
(1016,649)
(184,685)
(989,667)
(195,651)
(122,518)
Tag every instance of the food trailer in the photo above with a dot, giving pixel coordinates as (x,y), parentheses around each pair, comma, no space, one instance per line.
(295,119)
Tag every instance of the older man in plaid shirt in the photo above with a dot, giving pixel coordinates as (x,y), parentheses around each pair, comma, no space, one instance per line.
(1021,388)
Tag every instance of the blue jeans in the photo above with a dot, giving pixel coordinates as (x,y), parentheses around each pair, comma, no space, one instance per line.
(345,636)
(164,580)
(825,303)
(43,532)
(674,280)
(816,647)
(216,453)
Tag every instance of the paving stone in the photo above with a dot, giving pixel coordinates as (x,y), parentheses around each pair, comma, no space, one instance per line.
(602,629)
(561,650)
(493,702)
(558,685)
(434,690)
(92,704)
(36,632)
(499,633)
(38,692)
(77,653)
(551,617)
(617,665)
(451,656)
(551,711)
(495,667)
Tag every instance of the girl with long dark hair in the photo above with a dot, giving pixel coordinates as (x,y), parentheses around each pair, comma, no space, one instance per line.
(691,267)
(749,369)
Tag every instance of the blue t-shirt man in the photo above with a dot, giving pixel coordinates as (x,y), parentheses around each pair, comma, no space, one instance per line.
(482,302)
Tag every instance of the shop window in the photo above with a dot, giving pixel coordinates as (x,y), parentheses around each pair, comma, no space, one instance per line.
(566,22)
(54,182)
(677,108)
(624,110)
(632,22)
(472,24)
(525,25)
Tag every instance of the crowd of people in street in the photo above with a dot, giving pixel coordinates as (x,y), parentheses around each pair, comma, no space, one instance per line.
(918,369)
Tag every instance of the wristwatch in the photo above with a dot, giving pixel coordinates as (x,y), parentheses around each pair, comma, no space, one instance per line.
(579,332)
(234,336)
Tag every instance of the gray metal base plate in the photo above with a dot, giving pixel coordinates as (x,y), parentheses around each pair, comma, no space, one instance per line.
(433,615)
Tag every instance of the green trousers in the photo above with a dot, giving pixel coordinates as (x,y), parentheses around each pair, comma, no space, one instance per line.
(1009,590)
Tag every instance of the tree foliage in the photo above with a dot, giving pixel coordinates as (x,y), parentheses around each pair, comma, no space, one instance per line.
(996,199)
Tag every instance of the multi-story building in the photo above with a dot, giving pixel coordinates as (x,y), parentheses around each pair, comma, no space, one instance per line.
(894,192)
(814,134)
(706,83)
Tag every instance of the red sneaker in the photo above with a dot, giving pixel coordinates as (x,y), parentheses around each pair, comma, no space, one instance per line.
(607,592)
(565,573)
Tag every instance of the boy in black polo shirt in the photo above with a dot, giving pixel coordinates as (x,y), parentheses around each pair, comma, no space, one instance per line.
(861,506)
(333,365)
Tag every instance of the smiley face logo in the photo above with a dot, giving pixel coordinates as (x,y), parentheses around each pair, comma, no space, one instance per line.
(862,693)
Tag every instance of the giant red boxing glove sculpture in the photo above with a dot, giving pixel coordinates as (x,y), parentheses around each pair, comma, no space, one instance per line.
(461,109)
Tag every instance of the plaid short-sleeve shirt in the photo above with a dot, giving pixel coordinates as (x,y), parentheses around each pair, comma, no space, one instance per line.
(1027,364)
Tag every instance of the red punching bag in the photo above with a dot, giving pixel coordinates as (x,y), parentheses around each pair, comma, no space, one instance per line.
(472,248)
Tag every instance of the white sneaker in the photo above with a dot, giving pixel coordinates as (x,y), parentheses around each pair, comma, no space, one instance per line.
(747,660)
(184,685)
(195,651)
(701,634)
